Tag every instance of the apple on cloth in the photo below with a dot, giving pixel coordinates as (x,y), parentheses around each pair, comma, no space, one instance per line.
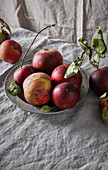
(99,81)
(10,51)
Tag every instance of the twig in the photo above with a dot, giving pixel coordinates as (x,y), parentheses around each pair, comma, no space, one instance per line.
(33,42)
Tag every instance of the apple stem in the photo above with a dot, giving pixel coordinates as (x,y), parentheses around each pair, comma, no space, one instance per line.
(82,54)
(33,42)
(1,27)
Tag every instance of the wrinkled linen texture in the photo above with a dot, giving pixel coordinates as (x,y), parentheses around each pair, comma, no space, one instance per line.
(73,140)
(73,18)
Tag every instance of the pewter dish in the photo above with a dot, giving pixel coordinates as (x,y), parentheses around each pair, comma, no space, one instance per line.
(21,103)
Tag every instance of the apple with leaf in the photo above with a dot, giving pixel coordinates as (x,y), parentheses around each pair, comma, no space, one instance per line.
(98,80)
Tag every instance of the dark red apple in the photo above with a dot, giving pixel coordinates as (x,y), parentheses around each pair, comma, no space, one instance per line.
(22,73)
(99,81)
(46,60)
(58,73)
(103,107)
(65,95)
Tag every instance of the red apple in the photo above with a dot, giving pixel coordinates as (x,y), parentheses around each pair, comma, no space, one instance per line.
(10,51)
(22,73)
(58,73)
(37,89)
(99,81)
(65,95)
(46,60)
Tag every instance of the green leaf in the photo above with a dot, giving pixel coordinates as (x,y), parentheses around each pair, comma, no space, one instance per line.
(46,108)
(96,58)
(74,68)
(85,46)
(105,115)
(98,43)
(5,25)
(14,89)
(103,96)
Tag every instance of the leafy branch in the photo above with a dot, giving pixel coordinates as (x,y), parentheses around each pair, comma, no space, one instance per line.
(94,53)
(49,26)
(97,51)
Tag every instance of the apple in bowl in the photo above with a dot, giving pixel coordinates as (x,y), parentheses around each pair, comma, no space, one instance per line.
(46,60)
(65,95)
(10,51)
(37,88)
(58,74)
(22,73)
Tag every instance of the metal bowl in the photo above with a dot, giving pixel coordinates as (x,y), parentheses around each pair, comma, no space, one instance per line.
(21,103)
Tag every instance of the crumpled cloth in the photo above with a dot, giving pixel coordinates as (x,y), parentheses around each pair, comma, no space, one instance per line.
(73,140)
(73,18)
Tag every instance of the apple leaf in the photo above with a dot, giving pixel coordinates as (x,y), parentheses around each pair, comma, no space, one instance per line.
(14,89)
(98,43)
(46,108)
(4,24)
(86,47)
(96,58)
(74,68)
(103,96)
(105,115)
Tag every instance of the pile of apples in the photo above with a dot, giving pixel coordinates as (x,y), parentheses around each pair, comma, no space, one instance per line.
(44,81)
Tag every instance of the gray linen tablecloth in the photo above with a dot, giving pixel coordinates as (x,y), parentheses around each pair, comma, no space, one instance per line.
(69,141)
